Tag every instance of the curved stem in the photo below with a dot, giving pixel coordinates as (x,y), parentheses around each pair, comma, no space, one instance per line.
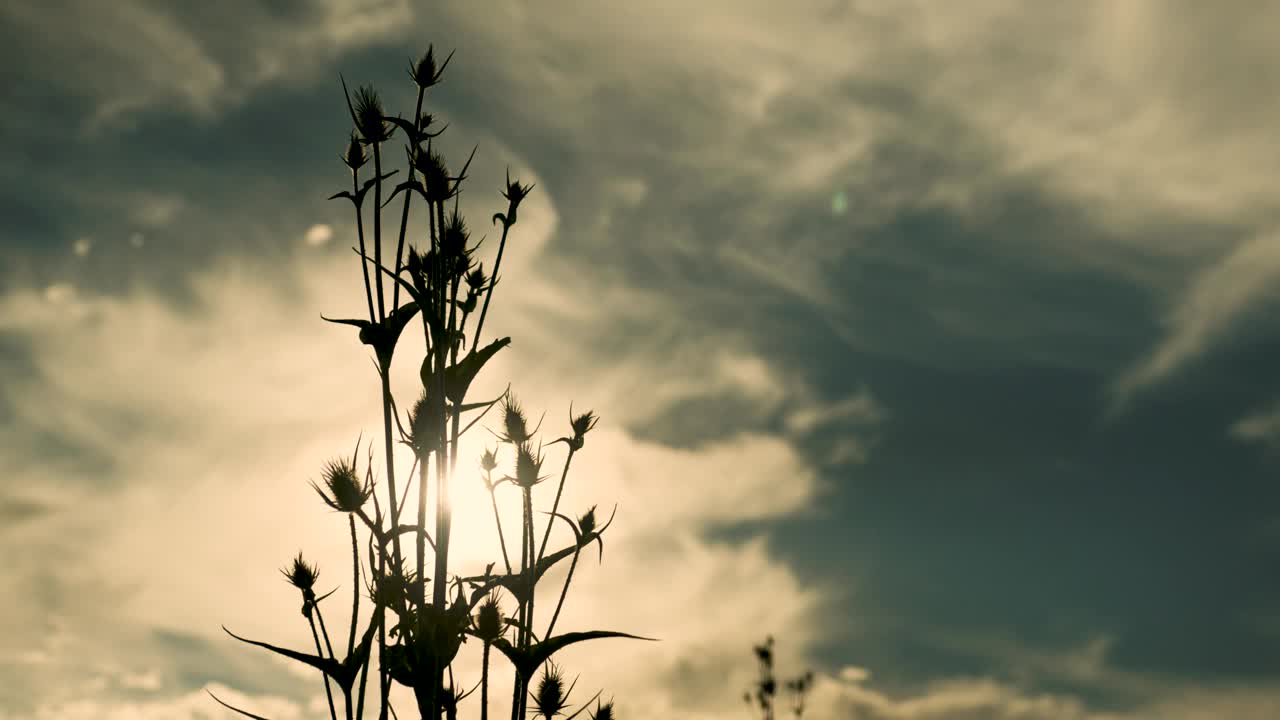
(404,215)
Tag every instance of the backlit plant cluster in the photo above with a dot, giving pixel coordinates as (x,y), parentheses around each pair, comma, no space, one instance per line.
(419,612)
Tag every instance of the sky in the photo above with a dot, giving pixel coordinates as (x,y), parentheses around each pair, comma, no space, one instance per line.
(935,339)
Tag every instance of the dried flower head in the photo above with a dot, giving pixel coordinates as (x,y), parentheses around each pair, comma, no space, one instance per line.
(514,194)
(354,157)
(301,575)
(488,461)
(528,465)
(603,711)
(551,696)
(424,72)
(435,174)
(587,523)
(489,620)
(368,115)
(424,426)
(582,424)
(453,241)
(514,421)
(476,278)
(346,493)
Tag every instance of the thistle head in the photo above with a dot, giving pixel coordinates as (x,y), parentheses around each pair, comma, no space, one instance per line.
(551,696)
(370,120)
(346,493)
(514,422)
(587,523)
(603,711)
(435,174)
(514,194)
(476,278)
(354,157)
(488,461)
(581,424)
(453,241)
(301,575)
(528,465)
(424,72)
(424,426)
(489,621)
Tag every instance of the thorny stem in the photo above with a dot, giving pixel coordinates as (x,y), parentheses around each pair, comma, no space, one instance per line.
(555,505)
(333,714)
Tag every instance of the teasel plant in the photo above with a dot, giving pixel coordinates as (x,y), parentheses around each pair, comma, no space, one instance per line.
(400,547)
(765,691)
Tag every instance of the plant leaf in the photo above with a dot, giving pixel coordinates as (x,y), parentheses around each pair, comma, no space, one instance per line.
(233,708)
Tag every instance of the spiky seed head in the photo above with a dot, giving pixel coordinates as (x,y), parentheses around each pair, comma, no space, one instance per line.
(453,242)
(489,621)
(476,278)
(354,157)
(488,460)
(582,425)
(513,420)
(424,426)
(515,193)
(369,116)
(301,575)
(528,465)
(346,492)
(550,698)
(587,523)
(424,72)
(435,174)
(603,711)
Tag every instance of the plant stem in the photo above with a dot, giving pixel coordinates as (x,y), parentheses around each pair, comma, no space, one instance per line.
(377,226)
(404,215)
(355,584)
(564,591)
(333,714)
(555,505)
(497,520)
(364,266)
(484,684)
(493,280)
(391,465)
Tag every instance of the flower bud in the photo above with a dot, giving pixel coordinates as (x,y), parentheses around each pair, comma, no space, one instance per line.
(354,157)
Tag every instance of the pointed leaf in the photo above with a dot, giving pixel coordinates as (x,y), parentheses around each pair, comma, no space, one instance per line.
(233,708)
(457,379)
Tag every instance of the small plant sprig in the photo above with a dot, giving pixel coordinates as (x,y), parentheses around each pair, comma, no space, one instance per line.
(764,692)
(438,281)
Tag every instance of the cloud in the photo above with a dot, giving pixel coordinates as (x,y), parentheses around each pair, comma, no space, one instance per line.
(1216,298)
(201,423)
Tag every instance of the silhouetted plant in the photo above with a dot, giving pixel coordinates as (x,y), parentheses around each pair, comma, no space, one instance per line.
(764,693)
(418,637)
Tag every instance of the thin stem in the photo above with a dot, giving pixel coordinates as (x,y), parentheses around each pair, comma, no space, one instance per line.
(564,591)
(364,267)
(323,630)
(333,714)
(555,505)
(355,584)
(484,683)
(493,281)
(391,466)
(422,530)
(497,520)
(404,215)
(377,225)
